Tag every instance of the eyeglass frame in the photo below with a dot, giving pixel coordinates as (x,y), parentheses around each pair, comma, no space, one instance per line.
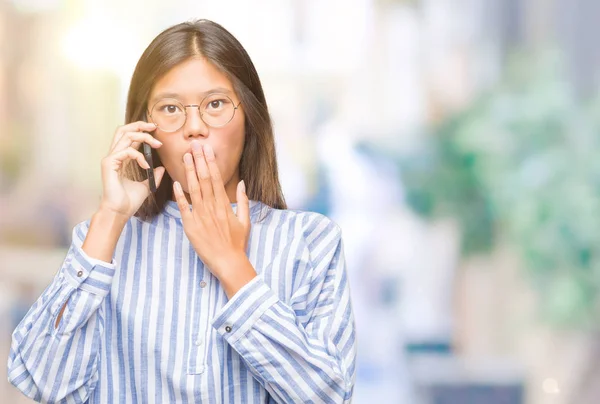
(185,107)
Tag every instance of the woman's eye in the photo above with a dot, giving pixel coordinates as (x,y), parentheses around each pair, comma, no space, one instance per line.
(216,104)
(171,109)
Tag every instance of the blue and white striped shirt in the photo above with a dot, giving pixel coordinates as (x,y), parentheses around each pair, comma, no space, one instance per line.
(155,326)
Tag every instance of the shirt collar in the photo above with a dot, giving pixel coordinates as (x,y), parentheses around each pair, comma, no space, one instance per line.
(172,209)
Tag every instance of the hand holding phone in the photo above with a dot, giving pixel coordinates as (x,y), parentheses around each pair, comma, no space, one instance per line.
(119,193)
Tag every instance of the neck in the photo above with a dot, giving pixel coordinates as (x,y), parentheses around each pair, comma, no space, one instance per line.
(230,190)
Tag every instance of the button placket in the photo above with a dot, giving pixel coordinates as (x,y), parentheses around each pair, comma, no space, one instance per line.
(200,339)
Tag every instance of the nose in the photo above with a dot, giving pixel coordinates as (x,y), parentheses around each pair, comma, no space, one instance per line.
(194,125)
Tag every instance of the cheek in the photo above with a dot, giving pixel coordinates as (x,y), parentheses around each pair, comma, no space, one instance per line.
(231,155)
(174,165)
(167,159)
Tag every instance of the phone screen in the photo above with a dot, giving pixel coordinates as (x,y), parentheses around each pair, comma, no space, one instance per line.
(150,171)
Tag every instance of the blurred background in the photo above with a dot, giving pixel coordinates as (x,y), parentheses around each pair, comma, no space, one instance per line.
(454,141)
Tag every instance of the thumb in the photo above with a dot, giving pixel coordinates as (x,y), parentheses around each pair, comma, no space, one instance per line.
(243,205)
(159,173)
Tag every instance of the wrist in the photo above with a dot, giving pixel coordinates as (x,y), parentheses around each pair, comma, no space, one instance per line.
(102,236)
(234,272)
(110,219)
(227,264)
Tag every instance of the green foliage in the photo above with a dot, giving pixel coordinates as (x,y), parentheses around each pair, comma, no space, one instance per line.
(522,163)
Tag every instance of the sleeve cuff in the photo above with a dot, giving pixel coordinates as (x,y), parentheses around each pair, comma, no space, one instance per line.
(244,309)
(89,274)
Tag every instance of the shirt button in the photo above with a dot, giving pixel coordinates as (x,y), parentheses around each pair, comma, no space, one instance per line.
(199,342)
(202,284)
(79,274)
(228,328)
(201,369)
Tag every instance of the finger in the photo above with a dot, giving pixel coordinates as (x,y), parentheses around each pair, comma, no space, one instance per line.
(134,139)
(192,181)
(215,177)
(151,140)
(129,154)
(203,174)
(159,173)
(243,205)
(182,202)
(137,126)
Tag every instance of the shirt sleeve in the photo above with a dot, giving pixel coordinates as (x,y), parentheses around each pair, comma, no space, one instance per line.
(298,355)
(59,364)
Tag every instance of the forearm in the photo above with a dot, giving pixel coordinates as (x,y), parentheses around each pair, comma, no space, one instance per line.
(41,345)
(104,232)
(38,359)
(102,237)
(234,273)
(295,364)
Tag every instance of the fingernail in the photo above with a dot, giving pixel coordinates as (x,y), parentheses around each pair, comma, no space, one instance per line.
(243,186)
(187,158)
(208,151)
(178,187)
(196,146)
(158,142)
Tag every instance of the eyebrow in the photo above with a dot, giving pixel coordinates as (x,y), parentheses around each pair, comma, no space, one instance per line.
(178,96)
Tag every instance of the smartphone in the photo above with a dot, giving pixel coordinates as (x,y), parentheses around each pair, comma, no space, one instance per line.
(148,155)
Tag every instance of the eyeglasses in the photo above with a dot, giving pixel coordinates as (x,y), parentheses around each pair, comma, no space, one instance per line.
(216,110)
